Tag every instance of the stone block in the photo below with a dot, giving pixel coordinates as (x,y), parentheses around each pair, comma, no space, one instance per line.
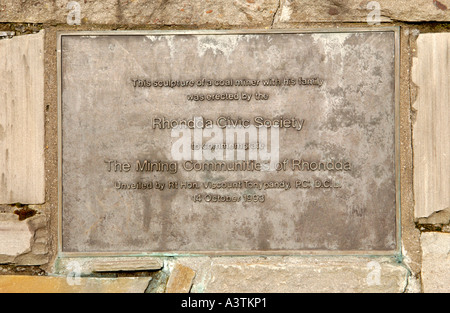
(185,12)
(23,242)
(22,175)
(47,284)
(435,262)
(307,275)
(15,237)
(127,264)
(245,13)
(315,274)
(300,11)
(180,280)
(431,136)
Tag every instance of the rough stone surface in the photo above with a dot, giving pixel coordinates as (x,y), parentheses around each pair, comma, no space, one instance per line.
(435,262)
(23,242)
(185,12)
(73,284)
(441,217)
(297,11)
(226,13)
(431,136)
(15,236)
(22,176)
(180,280)
(296,274)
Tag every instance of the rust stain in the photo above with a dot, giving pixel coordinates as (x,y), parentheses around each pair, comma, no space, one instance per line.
(440,5)
(25,213)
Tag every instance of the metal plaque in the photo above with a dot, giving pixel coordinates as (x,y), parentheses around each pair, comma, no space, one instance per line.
(219,142)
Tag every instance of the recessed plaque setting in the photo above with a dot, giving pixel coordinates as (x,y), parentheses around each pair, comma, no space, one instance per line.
(229,143)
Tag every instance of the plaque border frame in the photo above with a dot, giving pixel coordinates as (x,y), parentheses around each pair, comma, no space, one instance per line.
(396,253)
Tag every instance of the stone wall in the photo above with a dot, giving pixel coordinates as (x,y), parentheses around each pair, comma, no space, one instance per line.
(29,151)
